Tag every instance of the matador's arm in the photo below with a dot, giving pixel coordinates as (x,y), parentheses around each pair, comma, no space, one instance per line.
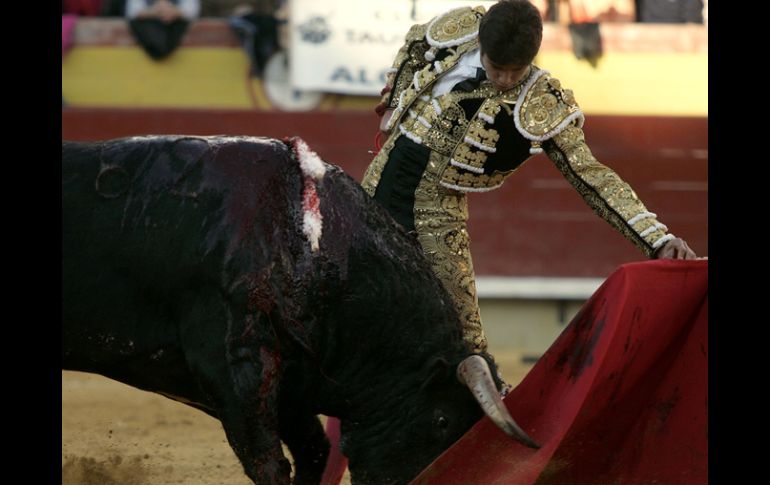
(605,192)
(409,58)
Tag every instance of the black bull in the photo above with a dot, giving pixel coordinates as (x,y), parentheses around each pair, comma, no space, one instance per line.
(186,272)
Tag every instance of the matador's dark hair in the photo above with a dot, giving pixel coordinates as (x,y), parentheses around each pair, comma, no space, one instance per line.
(511,32)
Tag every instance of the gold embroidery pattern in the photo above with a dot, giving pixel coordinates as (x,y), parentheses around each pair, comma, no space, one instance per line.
(455,25)
(602,189)
(440,141)
(440,220)
(410,58)
(545,106)
(466,155)
(554,83)
(489,108)
(426,77)
(484,136)
(374,170)
(463,179)
(448,128)
(415,127)
(447,134)
(569,97)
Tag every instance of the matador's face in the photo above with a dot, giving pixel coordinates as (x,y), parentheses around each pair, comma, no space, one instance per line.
(504,76)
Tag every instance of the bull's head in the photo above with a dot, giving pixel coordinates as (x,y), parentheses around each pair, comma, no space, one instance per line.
(397,441)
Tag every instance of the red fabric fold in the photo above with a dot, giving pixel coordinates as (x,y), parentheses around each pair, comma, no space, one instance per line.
(620,397)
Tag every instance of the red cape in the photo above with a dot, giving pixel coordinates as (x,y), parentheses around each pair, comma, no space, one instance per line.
(620,397)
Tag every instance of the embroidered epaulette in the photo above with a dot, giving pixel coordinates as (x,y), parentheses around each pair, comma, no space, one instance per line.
(453,28)
(544,109)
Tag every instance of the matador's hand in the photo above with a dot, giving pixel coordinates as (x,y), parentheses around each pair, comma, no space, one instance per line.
(676,248)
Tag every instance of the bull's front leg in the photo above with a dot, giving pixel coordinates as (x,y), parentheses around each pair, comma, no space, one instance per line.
(250,417)
(234,354)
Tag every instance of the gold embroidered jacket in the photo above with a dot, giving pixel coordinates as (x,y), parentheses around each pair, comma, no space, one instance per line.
(484,135)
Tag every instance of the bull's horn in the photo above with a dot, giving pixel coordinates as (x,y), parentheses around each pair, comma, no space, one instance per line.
(474,372)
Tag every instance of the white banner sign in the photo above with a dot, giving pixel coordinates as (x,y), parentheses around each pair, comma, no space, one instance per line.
(347,46)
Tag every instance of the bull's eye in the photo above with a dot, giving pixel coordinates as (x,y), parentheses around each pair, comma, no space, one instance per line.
(442,422)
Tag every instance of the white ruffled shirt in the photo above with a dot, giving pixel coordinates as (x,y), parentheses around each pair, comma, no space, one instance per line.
(464,69)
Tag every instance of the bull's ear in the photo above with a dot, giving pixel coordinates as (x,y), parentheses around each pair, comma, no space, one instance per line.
(437,370)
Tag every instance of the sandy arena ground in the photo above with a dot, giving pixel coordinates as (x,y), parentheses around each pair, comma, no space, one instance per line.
(113,434)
